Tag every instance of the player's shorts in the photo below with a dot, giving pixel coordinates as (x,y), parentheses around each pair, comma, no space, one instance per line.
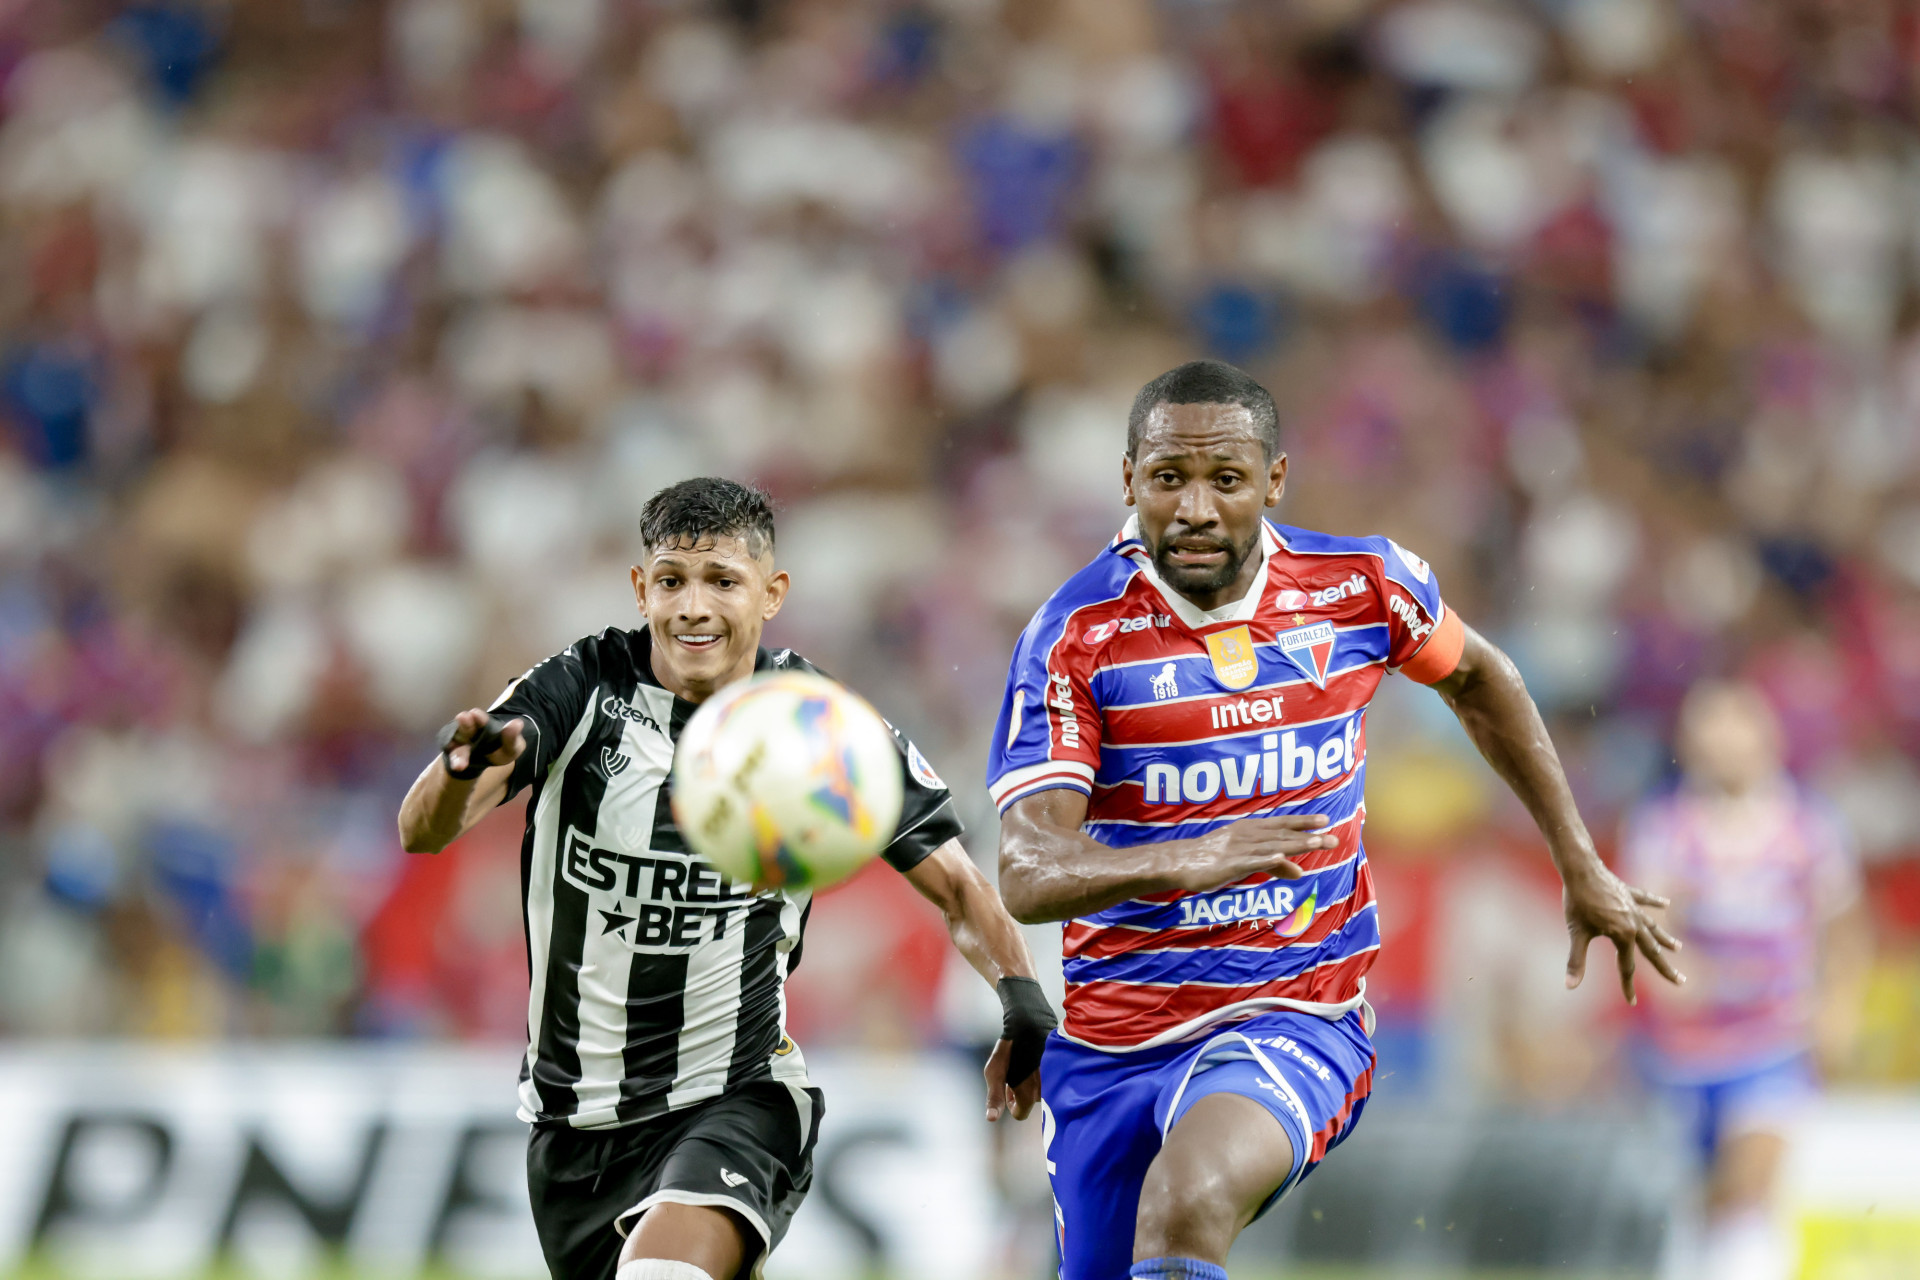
(749,1151)
(1766,1099)
(1108,1113)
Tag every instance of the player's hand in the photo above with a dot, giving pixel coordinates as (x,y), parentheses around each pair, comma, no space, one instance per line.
(1600,904)
(1250,846)
(468,724)
(1021,1098)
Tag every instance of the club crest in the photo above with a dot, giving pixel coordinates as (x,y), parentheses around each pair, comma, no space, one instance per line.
(612,761)
(1234,661)
(1310,649)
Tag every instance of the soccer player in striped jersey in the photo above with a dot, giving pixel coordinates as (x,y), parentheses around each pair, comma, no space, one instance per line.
(1179,765)
(668,1104)
(1767,893)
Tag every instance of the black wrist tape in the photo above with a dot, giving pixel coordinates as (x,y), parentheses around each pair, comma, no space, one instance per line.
(1025,1020)
(483,745)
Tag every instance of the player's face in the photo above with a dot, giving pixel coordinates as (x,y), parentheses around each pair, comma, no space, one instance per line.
(1729,739)
(706,603)
(1202,482)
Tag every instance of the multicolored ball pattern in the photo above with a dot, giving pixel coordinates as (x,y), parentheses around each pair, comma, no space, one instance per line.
(787,781)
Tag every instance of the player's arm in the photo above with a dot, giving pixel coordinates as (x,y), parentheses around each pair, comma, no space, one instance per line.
(441,806)
(1846,965)
(1486,692)
(514,739)
(1846,942)
(986,935)
(1051,870)
(982,930)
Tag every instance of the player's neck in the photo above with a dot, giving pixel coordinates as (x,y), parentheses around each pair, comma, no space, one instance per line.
(1722,791)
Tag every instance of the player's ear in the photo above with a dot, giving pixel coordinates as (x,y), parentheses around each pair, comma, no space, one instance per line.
(639,587)
(1126,478)
(776,595)
(1276,480)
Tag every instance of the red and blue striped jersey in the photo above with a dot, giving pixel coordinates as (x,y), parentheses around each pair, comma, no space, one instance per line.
(1755,882)
(1174,721)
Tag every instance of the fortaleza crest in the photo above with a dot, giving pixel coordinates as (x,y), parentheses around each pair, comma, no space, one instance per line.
(1310,649)
(1234,661)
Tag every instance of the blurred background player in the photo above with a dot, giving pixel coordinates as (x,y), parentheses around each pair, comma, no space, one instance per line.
(1180,765)
(669,1106)
(1765,893)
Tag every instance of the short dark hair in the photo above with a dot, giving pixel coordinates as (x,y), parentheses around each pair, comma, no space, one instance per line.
(1207,382)
(706,508)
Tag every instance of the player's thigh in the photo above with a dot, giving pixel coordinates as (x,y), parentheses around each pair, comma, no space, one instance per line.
(1746,1168)
(715,1240)
(1222,1161)
(748,1156)
(1755,1116)
(1100,1138)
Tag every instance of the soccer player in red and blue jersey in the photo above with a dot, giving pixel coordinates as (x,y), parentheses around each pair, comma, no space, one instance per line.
(1767,895)
(1179,766)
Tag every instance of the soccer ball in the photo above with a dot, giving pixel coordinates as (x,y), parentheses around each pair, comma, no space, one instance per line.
(787,781)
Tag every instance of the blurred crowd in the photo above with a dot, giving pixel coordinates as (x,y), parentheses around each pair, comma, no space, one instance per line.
(341,340)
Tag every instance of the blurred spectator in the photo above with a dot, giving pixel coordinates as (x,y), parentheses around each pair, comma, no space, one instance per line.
(1606,305)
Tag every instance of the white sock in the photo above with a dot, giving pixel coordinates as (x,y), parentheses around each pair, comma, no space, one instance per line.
(1745,1246)
(659,1269)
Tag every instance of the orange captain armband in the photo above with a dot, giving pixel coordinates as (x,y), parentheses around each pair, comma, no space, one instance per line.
(1440,654)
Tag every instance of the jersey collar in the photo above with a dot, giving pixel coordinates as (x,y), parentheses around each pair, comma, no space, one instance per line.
(1130,544)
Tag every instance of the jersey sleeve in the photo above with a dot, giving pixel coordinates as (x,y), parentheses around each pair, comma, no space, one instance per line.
(1049,731)
(927,817)
(550,699)
(1424,638)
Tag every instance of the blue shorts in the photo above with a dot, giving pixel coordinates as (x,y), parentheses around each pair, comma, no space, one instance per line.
(1105,1115)
(1768,1099)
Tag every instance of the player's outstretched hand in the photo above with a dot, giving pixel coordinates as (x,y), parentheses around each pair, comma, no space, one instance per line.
(1232,853)
(472,724)
(1601,905)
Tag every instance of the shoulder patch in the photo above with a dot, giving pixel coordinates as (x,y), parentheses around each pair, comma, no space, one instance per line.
(922,771)
(1414,563)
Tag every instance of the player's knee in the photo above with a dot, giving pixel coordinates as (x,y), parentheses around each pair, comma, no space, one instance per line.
(1745,1170)
(1187,1208)
(711,1242)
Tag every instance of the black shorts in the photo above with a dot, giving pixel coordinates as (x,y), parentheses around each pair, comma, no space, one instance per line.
(749,1151)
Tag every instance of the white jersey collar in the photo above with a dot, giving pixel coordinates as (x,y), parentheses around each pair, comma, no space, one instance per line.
(1189,613)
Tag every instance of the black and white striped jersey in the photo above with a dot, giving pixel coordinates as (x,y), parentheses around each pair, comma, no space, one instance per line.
(656,983)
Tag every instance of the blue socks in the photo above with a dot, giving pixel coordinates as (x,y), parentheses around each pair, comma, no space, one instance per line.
(1176,1269)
